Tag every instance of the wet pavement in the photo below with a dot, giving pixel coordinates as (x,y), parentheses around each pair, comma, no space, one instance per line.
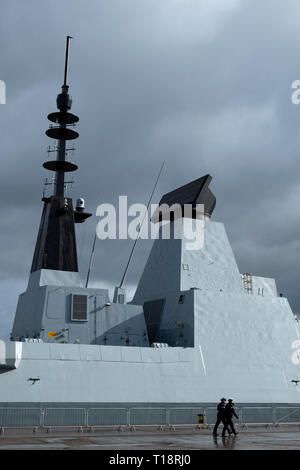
(164,438)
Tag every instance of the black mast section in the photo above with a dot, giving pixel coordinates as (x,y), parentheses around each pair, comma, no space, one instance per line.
(56,243)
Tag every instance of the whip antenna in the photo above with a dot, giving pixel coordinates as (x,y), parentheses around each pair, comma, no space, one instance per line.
(91,260)
(135,241)
(67,59)
(140,227)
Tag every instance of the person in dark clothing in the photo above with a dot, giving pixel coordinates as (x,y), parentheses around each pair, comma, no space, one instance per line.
(229,412)
(220,415)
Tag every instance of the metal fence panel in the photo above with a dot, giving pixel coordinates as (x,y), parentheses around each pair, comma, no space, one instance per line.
(253,414)
(148,416)
(19,417)
(65,417)
(287,414)
(102,416)
(184,415)
(211,414)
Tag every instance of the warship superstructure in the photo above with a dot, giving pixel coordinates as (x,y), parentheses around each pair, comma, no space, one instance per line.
(196,329)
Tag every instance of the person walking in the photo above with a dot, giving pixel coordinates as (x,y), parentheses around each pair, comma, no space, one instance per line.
(220,415)
(229,412)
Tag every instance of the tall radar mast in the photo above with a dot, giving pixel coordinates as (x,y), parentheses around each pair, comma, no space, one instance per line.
(56,242)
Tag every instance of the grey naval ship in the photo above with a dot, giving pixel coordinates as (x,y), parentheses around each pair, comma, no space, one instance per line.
(196,329)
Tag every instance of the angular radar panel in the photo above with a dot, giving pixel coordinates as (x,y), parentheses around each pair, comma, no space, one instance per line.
(196,192)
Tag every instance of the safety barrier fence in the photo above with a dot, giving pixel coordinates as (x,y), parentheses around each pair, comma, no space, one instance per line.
(103,416)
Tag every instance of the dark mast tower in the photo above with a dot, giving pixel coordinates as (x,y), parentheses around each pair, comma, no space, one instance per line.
(56,242)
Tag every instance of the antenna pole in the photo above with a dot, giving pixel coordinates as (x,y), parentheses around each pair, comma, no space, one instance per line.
(67,59)
(61,154)
(91,260)
(135,241)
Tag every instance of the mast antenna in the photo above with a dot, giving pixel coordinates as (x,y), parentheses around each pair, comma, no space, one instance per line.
(91,260)
(61,132)
(67,59)
(135,241)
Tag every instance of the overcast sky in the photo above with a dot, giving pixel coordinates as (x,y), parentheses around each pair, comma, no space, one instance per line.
(203,84)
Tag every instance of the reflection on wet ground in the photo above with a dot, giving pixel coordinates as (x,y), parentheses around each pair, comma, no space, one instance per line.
(224,442)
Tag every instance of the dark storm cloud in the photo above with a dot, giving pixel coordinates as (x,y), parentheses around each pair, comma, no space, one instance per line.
(204,85)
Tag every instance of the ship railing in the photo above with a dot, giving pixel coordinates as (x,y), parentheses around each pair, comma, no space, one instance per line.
(122,417)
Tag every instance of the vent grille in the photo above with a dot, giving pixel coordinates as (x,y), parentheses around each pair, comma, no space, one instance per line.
(79,307)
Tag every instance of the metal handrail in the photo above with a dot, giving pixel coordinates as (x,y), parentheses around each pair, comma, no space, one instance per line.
(40,415)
